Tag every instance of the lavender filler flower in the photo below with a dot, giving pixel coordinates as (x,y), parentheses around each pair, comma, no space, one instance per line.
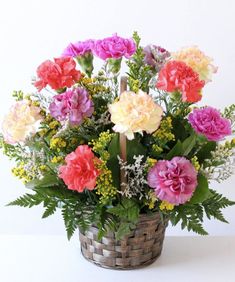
(74,105)
(155,56)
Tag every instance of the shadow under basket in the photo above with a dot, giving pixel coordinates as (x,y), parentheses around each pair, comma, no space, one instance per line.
(140,248)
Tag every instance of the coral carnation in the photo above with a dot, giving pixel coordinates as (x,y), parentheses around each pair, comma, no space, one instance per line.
(114,47)
(74,105)
(209,122)
(174,181)
(80,172)
(197,60)
(135,113)
(177,76)
(22,121)
(58,74)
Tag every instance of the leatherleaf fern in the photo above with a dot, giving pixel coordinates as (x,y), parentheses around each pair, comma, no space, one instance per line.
(78,210)
(191,216)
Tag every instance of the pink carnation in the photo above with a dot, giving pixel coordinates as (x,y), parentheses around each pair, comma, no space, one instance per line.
(114,47)
(80,172)
(174,181)
(74,105)
(209,122)
(177,76)
(80,48)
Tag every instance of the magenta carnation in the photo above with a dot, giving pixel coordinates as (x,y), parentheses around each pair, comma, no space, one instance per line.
(209,122)
(114,47)
(155,56)
(174,181)
(74,105)
(80,48)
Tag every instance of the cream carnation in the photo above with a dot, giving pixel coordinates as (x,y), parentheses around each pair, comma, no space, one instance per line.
(135,113)
(197,60)
(21,121)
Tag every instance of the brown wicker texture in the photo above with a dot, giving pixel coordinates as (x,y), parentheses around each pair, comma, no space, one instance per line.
(142,247)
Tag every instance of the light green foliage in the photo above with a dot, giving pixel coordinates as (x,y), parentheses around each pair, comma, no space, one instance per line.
(18,95)
(139,74)
(127,213)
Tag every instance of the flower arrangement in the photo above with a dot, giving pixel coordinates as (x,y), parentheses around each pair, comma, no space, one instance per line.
(106,154)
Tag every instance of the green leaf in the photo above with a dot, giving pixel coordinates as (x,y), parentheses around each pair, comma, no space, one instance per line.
(196,227)
(113,164)
(123,230)
(134,148)
(175,151)
(202,191)
(191,217)
(48,180)
(188,144)
(69,221)
(126,210)
(27,200)
(205,151)
(214,204)
(50,209)
(179,128)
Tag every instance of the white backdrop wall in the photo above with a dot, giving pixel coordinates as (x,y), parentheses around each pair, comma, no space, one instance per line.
(33,31)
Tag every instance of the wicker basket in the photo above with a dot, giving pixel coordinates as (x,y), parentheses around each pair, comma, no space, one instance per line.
(142,247)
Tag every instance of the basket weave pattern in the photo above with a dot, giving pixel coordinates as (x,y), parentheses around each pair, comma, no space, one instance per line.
(140,248)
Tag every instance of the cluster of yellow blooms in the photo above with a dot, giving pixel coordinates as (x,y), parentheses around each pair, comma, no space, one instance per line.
(27,175)
(230,144)
(183,111)
(157,149)
(100,145)
(57,143)
(135,85)
(151,199)
(93,86)
(104,183)
(166,206)
(51,128)
(164,134)
(20,172)
(150,162)
(57,159)
(195,163)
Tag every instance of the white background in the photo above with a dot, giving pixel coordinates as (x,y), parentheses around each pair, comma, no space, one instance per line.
(33,31)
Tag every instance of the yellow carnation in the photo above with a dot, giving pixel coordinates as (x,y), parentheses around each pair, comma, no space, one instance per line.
(22,121)
(197,60)
(135,113)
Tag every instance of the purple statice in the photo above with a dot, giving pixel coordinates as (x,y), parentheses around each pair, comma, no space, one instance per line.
(155,56)
(80,48)
(73,105)
(209,122)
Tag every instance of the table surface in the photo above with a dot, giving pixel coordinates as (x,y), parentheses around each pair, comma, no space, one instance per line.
(54,259)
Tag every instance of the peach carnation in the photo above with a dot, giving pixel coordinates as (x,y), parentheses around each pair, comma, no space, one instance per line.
(197,60)
(135,113)
(80,172)
(22,121)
